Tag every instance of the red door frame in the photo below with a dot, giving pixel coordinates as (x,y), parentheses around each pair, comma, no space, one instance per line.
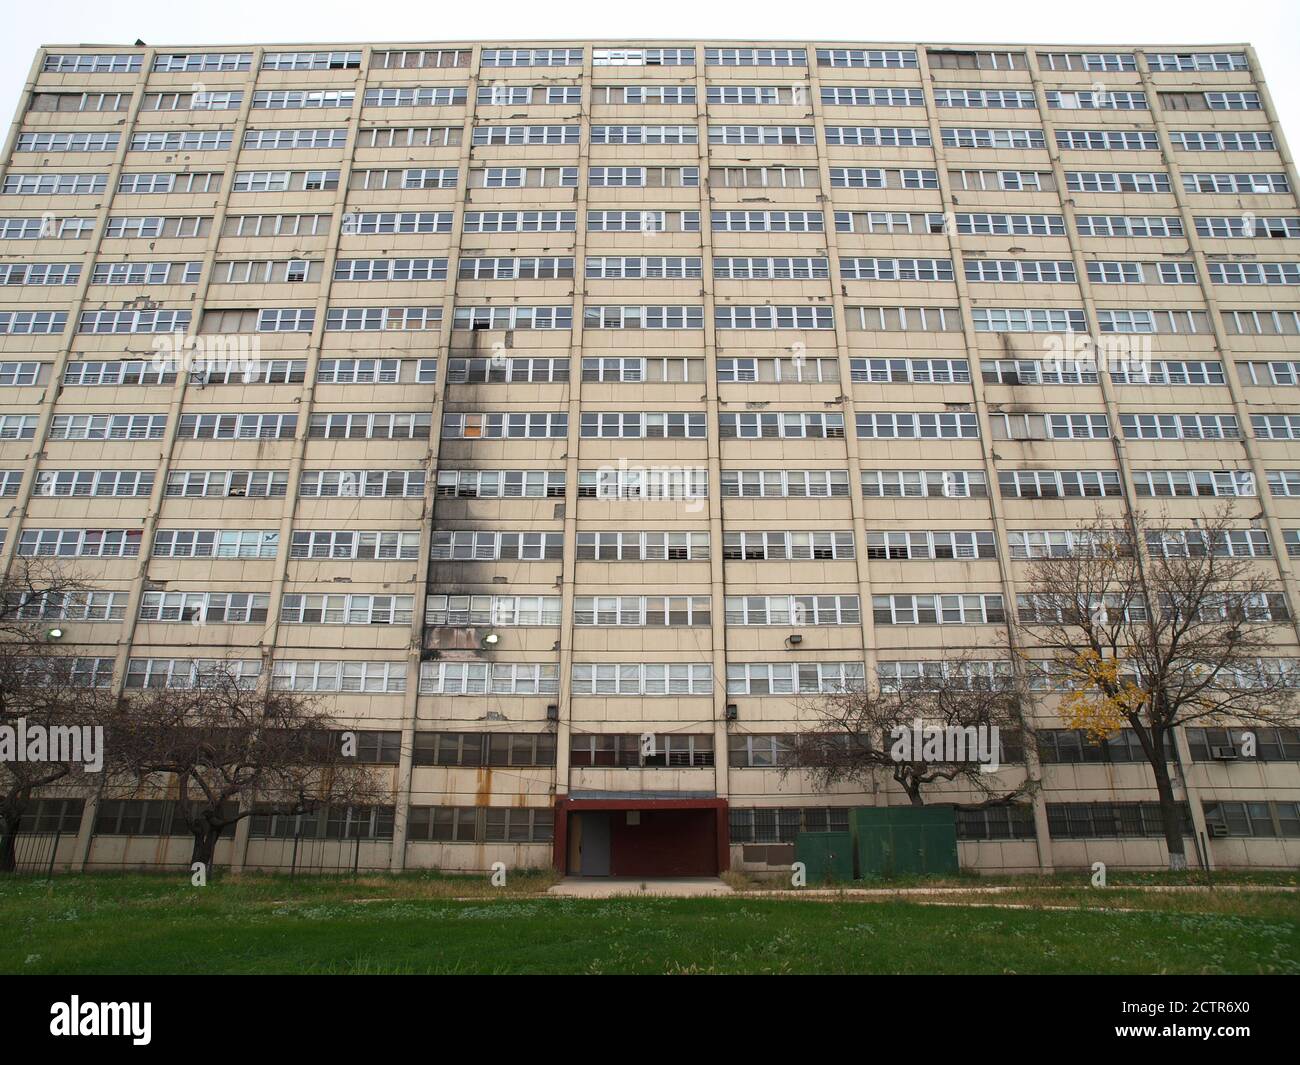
(565,806)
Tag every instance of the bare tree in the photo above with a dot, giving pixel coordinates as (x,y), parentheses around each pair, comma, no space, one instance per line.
(855,735)
(1154,626)
(219,747)
(43,691)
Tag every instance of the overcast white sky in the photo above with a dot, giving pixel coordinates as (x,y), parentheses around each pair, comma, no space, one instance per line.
(1272,26)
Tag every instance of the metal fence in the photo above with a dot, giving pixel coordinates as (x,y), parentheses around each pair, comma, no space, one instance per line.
(310,854)
(38,854)
(34,853)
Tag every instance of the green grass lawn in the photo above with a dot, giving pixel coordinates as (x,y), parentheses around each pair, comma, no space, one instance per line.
(109,924)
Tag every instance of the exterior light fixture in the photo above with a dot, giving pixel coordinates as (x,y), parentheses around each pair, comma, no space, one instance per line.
(794,639)
(54,634)
(491,640)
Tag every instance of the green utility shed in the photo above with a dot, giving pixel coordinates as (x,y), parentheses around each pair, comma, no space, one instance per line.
(903,840)
(827,856)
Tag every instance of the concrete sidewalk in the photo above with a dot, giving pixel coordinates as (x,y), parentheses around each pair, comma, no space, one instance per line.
(605,887)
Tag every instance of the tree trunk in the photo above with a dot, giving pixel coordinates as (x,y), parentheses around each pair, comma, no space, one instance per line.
(1170,813)
(911,786)
(8,846)
(205,845)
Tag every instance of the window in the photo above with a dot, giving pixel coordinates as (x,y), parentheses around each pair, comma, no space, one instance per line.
(386,426)
(177,62)
(376,319)
(1087,61)
(21,427)
(513,317)
(238,426)
(501,484)
(108,426)
(45,817)
(94,482)
(905,319)
(644,482)
(1271,744)
(789,678)
(403,60)
(1105,140)
(69,142)
(297,609)
(534,135)
(755,57)
(1236,183)
(519,221)
(947,484)
(1095,225)
(92,63)
(937,609)
(1180,426)
(655,316)
(773,370)
(773,317)
(1049,426)
(643,425)
(1012,821)
(350,544)
(229,608)
(643,611)
(642,546)
(40,273)
(541,268)
(191,672)
(216,543)
(867,58)
(458,611)
(481,824)
(783,824)
(635,57)
(227,484)
(311,61)
(470,546)
(480,748)
(982,137)
(877,137)
(952,59)
(920,426)
(793,610)
(531,57)
(1188,483)
(1103,820)
(160,321)
(450,96)
(762,135)
(642,678)
(930,545)
(1058,484)
(784,268)
(73,606)
(505,425)
(446,678)
(784,425)
(330,484)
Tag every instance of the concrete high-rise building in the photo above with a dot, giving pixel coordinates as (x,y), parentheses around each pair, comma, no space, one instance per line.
(560,410)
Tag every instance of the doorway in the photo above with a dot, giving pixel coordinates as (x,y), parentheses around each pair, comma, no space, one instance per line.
(593,843)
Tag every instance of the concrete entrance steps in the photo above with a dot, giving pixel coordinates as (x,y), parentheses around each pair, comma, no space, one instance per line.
(605,887)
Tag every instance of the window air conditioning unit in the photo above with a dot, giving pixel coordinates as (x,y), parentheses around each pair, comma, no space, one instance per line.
(1223,754)
(1217,829)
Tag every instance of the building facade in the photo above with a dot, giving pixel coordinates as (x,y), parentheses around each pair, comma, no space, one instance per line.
(568,414)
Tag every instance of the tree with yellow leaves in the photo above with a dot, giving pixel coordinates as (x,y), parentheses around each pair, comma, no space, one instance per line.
(1153,626)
